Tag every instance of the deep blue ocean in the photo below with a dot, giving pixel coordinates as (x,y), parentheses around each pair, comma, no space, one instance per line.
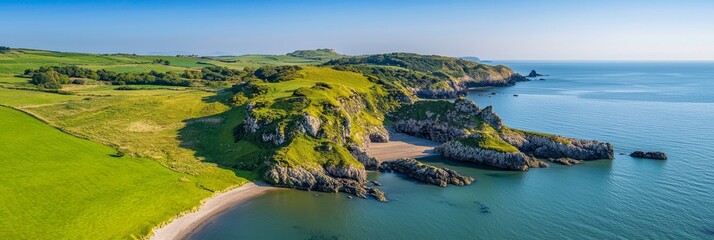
(663,106)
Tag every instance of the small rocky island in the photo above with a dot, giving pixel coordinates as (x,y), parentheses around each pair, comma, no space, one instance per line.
(533,74)
(650,155)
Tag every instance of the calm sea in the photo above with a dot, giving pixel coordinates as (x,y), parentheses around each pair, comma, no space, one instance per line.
(664,106)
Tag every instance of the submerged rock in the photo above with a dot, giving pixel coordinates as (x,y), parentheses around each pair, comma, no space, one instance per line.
(565,161)
(425,173)
(650,155)
(377,194)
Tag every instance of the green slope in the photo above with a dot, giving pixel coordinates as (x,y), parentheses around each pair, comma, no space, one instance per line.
(101,196)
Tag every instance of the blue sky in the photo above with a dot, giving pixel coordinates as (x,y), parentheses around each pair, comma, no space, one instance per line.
(541,30)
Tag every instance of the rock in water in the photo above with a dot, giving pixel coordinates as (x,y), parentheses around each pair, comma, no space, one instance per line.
(533,74)
(377,194)
(650,155)
(426,173)
(565,161)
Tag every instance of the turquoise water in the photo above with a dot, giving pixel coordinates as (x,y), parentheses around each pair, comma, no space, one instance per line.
(635,105)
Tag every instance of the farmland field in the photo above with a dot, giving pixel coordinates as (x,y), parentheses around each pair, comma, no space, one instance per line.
(101,195)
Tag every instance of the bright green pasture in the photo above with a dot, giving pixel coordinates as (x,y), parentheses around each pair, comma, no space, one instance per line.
(56,186)
(19,98)
(311,75)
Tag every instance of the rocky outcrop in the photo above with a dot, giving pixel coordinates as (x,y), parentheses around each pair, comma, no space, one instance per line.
(451,125)
(459,151)
(378,134)
(441,93)
(347,179)
(490,117)
(430,129)
(533,74)
(425,173)
(551,146)
(309,125)
(650,155)
(251,125)
(446,123)
(564,161)
(370,163)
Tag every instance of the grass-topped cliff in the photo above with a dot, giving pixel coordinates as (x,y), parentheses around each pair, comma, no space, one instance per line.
(429,76)
(313,123)
(469,133)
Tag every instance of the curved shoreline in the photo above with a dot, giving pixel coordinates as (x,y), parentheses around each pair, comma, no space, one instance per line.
(183,226)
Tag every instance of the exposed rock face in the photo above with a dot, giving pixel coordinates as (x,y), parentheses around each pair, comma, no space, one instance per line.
(650,155)
(360,154)
(463,120)
(378,134)
(507,160)
(310,125)
(252,125)
(490,117)
(425,173)
(443,131)
(503,79)
(460,88)
(548,147)
(429,129)
(348,179)
(466,107)
(441,93)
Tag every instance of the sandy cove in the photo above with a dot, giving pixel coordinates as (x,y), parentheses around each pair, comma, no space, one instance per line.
(183,226)
(401,145)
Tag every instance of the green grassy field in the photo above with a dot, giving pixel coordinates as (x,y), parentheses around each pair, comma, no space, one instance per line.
(16,61)
(142,123)
(56,186)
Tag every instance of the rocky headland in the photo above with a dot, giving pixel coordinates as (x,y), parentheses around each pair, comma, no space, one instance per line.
(309,127)
(472,134)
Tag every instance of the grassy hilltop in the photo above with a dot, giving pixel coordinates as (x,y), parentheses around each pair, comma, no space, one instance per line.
(179,128)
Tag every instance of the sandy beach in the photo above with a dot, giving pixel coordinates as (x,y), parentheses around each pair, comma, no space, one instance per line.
(183,226)
(401,146)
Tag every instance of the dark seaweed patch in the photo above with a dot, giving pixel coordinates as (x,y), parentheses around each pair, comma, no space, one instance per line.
(483,209)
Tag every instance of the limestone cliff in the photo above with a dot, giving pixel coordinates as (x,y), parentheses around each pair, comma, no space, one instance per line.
(471,134)
(425,173)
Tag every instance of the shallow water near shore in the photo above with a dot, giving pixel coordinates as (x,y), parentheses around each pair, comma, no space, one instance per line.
(663,106)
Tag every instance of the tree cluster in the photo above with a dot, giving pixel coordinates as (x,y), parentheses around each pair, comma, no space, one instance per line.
(161,61)
(4,49)
(49,79)
(52,77)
